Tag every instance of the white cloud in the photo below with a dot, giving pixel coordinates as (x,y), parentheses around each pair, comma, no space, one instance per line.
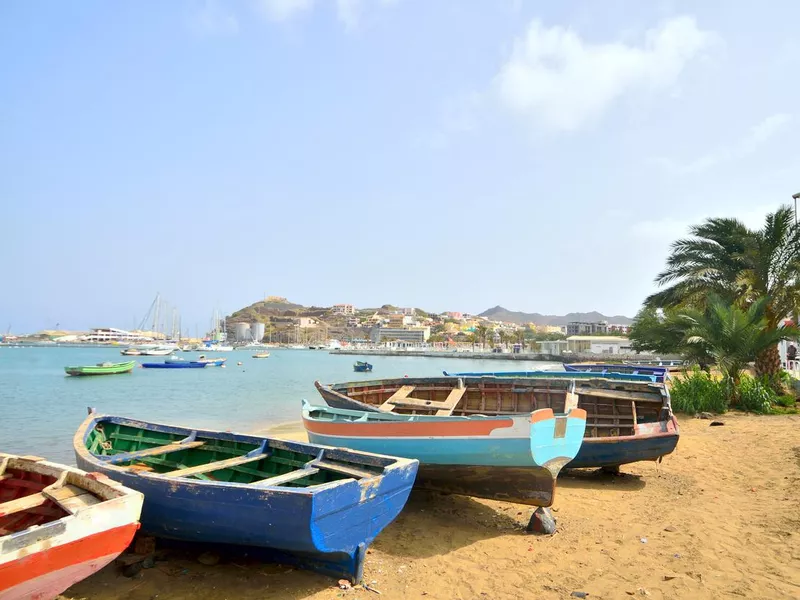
(212,19)
(558,80)
(349,11)
(283,10)
(755,138)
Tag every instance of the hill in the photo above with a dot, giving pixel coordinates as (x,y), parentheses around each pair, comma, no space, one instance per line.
(498,313)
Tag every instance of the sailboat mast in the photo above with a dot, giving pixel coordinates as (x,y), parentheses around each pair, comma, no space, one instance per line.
(157,303)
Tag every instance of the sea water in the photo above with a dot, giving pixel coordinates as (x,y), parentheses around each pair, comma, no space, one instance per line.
(42,407)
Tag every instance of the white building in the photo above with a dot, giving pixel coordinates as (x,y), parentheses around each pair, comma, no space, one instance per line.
(552,347)
(110,334)
(344,309)
(598,344)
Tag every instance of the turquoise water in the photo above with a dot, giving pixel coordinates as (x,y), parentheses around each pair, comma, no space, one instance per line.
(42,407)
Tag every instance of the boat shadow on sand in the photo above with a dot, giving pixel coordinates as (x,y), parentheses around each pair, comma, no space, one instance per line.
(598,479)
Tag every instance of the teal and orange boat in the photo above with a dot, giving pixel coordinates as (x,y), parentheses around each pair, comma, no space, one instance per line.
(104,368)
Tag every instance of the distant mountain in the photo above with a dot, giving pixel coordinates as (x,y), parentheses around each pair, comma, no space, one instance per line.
(498,313)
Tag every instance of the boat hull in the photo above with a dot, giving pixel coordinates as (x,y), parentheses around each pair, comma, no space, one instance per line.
(325,527)
(175,365)
(94,370)
(515,459)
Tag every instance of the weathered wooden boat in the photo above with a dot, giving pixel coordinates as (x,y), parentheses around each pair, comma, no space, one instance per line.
(261,355)
(300,503)
(511,458)
(626,421)
(669,365)
(362,367)
(175,364)
(572,375)
(612,370)
(58,525)
(104,368)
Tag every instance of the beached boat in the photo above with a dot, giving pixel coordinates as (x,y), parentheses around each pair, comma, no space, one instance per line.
(299,503)
(175,364)
(626,422)
(510,458)
(104,368)
(58,525)
(572,375)
(610,370)
(261,355)
(362,367)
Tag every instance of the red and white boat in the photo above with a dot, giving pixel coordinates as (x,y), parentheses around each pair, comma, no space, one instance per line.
(58,525)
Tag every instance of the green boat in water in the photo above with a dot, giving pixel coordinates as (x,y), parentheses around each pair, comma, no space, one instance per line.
(105,368)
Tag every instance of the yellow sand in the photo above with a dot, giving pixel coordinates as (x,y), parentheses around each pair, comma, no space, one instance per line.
(720,518)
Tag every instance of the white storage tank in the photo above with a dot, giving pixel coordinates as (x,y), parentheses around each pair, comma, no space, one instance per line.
(257,331)
(241,332)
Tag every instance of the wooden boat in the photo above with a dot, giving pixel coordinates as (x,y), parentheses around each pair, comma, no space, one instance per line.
(607,369)
(58,525)
(298,502)
(261,355)
(511,458)
(575,375)
(362,367)
(627,421)
(175,364)
(209,362)
(104,368)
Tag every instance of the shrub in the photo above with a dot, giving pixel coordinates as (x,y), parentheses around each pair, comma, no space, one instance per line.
(756,395)
(787,401)
(698,392)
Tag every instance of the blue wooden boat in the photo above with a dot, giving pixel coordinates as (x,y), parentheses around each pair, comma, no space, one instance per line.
(605,369)
(626,422)
(571,375)
(514,458)
(362,367)
(303,504)
(183,364)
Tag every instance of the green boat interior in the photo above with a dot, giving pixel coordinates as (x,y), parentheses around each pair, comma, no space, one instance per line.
(612,407)
(270,463)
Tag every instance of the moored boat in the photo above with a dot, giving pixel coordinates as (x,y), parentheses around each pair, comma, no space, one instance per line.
(626,422)
(104,368)
(362,367)
(58,525)
(513,458)
(131,352)
(175,364)
(261,355)
(304,504)
(157,351)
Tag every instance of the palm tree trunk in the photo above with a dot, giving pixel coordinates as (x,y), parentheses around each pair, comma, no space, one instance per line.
(769,363)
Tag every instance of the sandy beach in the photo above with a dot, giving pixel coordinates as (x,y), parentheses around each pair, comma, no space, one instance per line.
(720,518)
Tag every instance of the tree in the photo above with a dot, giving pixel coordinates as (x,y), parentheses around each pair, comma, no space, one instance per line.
(664,332)
(481,331)
(732,336)
(741,266)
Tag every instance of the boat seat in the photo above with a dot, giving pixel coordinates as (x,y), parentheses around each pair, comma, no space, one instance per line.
(71,498)
(400,394)
(286,477)
(22,504)
(122,457)
(217,465)
(343,469)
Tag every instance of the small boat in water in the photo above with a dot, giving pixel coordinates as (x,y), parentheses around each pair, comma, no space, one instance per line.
(626,421)
(261,355)
(157,350)
(209,362)
(58,525)
(362,367)
(131,352)
(104,368)
(513,458)
(300,503)
(175,364)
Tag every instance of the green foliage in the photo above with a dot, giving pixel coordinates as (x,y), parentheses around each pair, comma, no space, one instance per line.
(698,392)
(756,395)
(786,401)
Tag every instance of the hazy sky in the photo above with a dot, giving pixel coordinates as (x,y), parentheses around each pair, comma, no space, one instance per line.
(451,155)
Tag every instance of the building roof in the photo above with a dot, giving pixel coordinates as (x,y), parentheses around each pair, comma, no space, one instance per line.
(597,338)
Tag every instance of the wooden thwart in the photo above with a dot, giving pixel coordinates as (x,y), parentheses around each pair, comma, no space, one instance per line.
(215,466)
(71,498)
(453,398)
(401,399)
(343,469)
(286,477)
(22,504)
(400,394)
(158,450)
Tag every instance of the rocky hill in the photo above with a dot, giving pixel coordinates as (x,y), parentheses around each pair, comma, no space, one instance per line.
(498,313)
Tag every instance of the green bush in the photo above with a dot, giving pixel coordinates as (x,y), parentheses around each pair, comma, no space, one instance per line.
(756,395)
(787,401)
(698,392)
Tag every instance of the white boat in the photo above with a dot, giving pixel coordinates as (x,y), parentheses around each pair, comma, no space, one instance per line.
(217,348)
(158,351)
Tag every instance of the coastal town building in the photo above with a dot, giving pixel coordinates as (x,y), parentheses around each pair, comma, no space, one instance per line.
(111,334)
(457,316)
(409,334)
(552,347)
(344,309)
(616,328)
(306,322)
(587,327)
(400,320)
(598,344)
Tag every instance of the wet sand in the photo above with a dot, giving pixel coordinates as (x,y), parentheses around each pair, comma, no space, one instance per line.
(719,518)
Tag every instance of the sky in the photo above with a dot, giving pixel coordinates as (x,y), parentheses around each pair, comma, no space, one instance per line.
(449,155)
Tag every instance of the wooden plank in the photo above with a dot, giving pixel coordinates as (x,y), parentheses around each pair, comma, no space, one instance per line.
(620,395)
(71,498)
(21,504)
(453,398)
(158,450)
(286,477)
(215,466)
(343,469)
(417,403)
(400,394)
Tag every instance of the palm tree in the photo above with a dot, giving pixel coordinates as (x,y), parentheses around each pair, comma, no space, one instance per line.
(732,336)
(740,265)
(481,331)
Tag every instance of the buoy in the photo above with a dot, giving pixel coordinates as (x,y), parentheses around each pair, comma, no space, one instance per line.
(239,363)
